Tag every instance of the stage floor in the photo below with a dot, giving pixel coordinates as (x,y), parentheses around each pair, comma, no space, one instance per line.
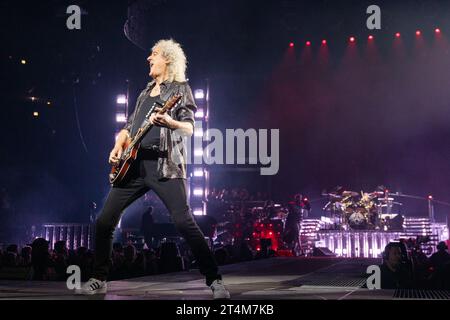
(268,279)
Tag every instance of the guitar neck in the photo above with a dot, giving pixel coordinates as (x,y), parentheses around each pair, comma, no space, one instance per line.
(142,131)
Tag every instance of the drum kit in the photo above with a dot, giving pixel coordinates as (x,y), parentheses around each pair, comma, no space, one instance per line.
(360,211)
(349,211)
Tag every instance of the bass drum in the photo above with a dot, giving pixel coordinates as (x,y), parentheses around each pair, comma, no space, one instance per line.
(358,219)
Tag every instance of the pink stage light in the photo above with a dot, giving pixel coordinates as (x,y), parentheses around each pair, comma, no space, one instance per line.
(352,39)
(324,42)
(418,33)
(370,37)
(308,43)
(397,35)
(437,30)
(291,44)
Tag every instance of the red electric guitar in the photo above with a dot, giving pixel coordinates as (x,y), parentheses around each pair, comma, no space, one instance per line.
(119,171)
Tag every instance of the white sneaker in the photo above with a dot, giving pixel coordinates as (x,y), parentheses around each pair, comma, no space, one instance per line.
(219,290)
(93,286)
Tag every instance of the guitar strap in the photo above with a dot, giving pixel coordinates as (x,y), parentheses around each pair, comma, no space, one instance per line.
(157,104)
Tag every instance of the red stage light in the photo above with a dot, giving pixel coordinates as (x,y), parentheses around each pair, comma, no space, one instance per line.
(270,233)
(308,43)
(370,37)
(437,30)
(324,42)
(418,33)
(258,249)
(352,39)
(397,35)
(291,44)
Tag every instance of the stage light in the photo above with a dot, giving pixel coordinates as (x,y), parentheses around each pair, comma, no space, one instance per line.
(198,152)
(308,43)
(270,233)
(198,173)
(437,30)
(36,114)
(324,42)
(199,94)
(418,33)
(352,39)
(291,44)
(198,132)
(305,199)
(397,35)
(370,37)
(121,118)
(198,211)
(121,99)
(199,113)
(33,99)
(198,192)
(49,103)
(23,61)
(430,197)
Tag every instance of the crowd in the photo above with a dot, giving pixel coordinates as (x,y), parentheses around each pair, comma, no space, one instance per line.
(405,266)
(39,262)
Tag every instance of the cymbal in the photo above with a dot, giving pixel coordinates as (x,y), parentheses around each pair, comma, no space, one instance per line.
(385,199)
(332,195)
(350,193)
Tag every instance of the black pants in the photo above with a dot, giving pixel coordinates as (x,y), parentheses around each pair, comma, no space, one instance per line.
(142,178)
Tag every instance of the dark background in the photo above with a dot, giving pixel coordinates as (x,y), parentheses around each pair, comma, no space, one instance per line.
(357,115)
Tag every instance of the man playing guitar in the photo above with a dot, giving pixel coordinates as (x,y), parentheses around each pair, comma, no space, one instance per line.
(160,166)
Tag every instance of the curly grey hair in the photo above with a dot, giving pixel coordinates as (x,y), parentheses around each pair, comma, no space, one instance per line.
(172,51)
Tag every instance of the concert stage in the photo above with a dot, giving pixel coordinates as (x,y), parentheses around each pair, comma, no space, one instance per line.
(314,278)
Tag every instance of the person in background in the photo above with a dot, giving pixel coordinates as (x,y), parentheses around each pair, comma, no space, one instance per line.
(440,265)
(394,271)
